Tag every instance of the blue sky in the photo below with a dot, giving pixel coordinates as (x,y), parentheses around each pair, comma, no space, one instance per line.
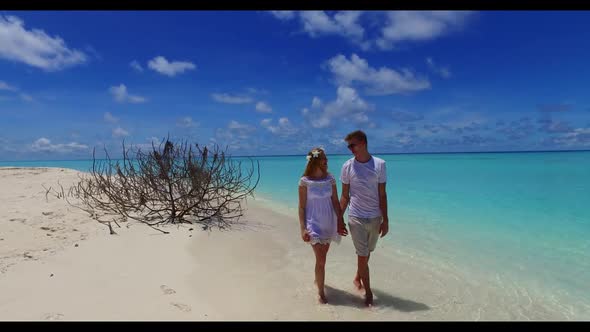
(267,83)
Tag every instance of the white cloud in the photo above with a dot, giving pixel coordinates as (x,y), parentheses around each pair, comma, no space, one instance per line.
(385,29)
(401,116)
(283,14)
(316,102)
(223,135)
(256,91)
(419,26)
(405,139)
(360,118)
(263,107)
(283,128)
(231,99)
(265,122)
(347,106)
(317,22)
(44,144)
(34,47)
(108,117)
(93,52)
(212,143)
(135,65)
(235,125)
(121,95)
(444,72)
(337,141)
(577,137)
(382,81)
(26,97)
(187,122)
(120,132)
(239,130)
(148,146)
(7,146)
(348,21)
(344,23)
(235,131)
(7,87)
(162,66)
(283,121)
(305,111)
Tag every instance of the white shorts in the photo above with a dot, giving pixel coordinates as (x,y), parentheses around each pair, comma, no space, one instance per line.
(364,233)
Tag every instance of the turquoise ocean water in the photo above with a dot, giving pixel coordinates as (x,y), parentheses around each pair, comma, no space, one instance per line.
(521,218)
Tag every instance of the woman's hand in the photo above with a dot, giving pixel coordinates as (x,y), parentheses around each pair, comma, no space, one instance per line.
(305,235)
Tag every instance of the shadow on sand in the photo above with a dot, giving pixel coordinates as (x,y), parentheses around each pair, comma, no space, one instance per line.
(339,297)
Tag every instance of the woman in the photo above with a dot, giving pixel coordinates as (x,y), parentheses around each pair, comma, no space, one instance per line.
(320,217)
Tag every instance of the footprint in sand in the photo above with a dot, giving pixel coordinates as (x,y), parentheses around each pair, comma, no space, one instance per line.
(47,213)
(167,290)
(54,316)
(181,307)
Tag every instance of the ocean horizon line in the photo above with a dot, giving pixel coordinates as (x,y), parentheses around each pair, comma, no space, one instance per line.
(339,154)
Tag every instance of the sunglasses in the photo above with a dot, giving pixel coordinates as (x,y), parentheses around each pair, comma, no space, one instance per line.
(352,145)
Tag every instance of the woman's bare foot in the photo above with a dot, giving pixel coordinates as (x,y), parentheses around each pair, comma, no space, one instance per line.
(369,299)
(322,299)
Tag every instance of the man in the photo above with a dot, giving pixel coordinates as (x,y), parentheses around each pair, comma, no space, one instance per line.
(363,188)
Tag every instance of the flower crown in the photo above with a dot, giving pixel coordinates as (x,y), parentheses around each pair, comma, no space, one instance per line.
(315,153)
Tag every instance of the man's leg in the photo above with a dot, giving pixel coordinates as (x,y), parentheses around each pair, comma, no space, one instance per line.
(360,238)
(363,271)
(358,283)
(372,227)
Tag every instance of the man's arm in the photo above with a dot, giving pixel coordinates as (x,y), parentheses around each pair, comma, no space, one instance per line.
(383,206)
(341,225)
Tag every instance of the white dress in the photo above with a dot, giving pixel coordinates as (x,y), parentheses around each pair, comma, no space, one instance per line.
(320,217)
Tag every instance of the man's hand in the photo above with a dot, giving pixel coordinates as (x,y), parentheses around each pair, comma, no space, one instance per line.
(342,227)
(384,228)
(305,235)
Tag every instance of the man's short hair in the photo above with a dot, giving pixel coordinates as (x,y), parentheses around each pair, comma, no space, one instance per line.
(358,134)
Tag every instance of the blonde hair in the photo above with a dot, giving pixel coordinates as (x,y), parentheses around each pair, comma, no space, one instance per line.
(314,162)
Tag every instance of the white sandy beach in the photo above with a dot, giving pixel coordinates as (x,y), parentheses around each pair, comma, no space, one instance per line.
(57,263)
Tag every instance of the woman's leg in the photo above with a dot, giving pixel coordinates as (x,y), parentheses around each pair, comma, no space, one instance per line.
(320,251)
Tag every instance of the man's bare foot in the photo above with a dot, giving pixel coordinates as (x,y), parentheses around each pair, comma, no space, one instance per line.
(369,299)
(322,299)
(358,284)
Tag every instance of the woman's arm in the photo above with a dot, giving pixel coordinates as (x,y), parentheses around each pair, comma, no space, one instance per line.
(302,204)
